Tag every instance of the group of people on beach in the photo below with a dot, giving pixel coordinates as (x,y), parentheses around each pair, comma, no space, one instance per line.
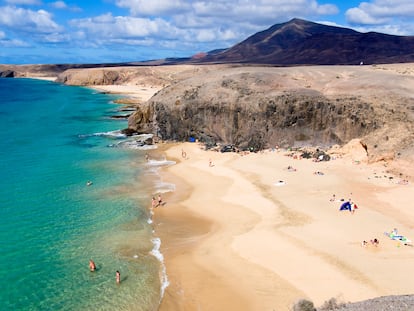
(92,268)
(374,242)
(156,202)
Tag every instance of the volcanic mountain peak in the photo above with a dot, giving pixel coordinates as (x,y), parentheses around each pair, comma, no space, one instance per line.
(302,42)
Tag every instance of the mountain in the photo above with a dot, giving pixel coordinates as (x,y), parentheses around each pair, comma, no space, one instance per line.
(300,42)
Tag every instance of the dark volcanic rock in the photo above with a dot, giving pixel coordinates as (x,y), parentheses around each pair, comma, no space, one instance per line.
(7,74)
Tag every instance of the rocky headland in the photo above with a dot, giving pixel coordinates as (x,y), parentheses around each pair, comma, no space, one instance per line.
(258,107)
(263,107)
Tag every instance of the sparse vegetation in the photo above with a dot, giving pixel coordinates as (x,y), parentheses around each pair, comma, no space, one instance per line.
(304,305)
(331,304)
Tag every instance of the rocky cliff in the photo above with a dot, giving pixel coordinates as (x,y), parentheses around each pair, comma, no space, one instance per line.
(259,107)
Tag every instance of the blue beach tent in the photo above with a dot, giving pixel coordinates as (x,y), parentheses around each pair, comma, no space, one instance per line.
(345,206)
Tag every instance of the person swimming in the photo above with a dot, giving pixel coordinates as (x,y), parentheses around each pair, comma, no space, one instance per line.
(92,265)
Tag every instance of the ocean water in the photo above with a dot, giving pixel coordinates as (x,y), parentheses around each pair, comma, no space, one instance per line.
(53,139)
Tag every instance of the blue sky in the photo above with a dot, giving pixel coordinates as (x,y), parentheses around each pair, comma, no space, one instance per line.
(97,31)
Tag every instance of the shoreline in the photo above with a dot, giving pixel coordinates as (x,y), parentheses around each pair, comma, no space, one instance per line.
(253,243)
(137,93)
(140,93)
(250,244)
(51,79)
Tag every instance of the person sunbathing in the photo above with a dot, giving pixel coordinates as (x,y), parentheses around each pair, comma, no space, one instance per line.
(375,242)
(291,169)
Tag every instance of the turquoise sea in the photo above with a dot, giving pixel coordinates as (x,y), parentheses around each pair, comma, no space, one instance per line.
(53,139)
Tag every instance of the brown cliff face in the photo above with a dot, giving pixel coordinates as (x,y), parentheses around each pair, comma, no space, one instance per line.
(263,107)
(258,120)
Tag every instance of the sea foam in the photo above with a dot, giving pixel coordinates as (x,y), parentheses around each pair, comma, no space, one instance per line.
(163,275)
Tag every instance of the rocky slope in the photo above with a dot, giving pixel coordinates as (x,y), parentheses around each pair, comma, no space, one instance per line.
(158,76)
(260,107)
(395,303)
(303,42)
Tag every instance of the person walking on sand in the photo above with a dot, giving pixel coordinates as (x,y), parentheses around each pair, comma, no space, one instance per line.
(92,265)
(118,277)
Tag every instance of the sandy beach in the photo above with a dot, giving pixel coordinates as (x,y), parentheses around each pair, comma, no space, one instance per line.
(242,232)
(246,233)
(139,92)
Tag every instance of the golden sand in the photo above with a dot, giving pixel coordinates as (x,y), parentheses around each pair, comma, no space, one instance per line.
(246,233)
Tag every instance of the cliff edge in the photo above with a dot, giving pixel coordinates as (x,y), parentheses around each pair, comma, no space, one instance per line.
(261,107)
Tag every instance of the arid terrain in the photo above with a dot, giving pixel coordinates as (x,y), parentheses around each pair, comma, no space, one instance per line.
(244,232)
(261,107)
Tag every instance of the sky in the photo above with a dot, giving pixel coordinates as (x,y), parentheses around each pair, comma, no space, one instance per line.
(112,31)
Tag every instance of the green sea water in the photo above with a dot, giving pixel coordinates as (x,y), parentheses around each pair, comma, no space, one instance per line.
(53,139)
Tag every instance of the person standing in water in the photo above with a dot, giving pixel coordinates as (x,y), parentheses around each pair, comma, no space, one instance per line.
(118,277)
(92,265)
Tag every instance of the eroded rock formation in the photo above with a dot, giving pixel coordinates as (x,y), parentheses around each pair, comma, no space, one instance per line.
(263,107)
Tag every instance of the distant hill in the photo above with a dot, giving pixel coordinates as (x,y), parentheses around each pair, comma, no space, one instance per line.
(297,42)
(300,42)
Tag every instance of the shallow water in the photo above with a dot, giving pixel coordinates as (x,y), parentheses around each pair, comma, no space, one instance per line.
(51,223)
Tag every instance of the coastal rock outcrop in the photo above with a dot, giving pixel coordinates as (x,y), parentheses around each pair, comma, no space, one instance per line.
(89,77)
(256,108)
(7,74)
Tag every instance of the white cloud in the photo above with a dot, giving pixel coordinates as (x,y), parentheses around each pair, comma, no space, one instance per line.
(377,12)
(24,2)
(113,27)
(205,35)
(7,42)
(59,5)
(327,9)
(357,16)
(14,43)
(23,20)
(395,29)
(153,7)
(259,12)
(190,23)
(56,37)
(266,11)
